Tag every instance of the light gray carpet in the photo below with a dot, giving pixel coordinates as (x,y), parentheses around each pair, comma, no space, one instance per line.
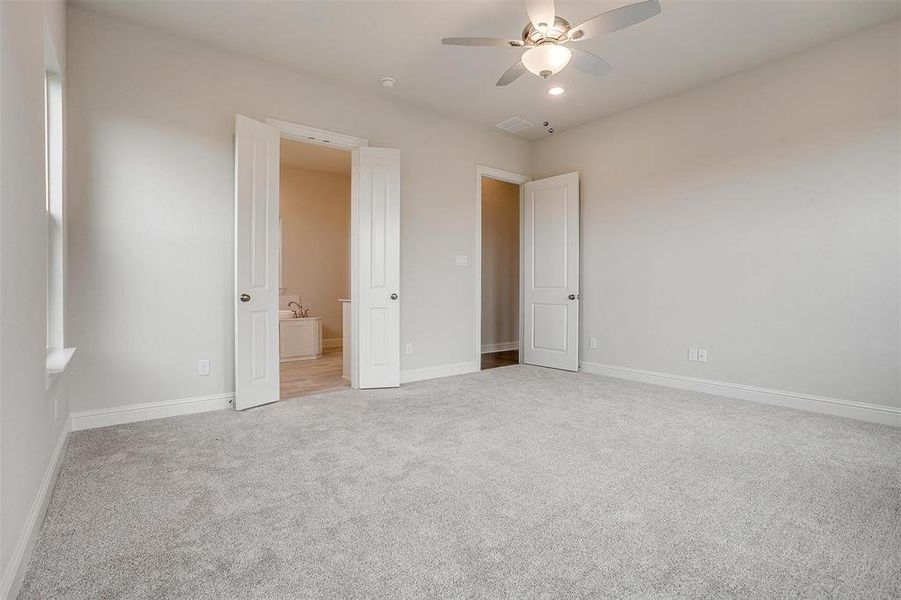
(516,482)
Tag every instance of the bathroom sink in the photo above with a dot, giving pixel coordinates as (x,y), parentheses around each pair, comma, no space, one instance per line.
(285,314)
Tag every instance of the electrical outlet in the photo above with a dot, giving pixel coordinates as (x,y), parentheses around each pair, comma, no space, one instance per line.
(692,355)
(593,343)
(702,355)
(203,367)
(462,261)
(408,348)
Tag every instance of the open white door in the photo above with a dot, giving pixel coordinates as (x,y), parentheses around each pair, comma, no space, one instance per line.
(376,300)
(551,272)
(256,263)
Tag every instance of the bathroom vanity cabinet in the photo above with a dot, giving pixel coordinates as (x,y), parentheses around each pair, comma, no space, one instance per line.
(300,339)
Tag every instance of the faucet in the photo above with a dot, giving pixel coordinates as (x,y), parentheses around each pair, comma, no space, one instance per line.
(299,308)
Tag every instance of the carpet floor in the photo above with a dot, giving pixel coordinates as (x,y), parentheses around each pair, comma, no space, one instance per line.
(510,483)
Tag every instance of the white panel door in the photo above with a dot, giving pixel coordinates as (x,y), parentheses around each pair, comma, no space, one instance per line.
(256,263)
(376,301)
(551,272)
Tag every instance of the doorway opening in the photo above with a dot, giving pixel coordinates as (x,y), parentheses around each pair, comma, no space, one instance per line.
(499,259)
(371,359)
(314,268)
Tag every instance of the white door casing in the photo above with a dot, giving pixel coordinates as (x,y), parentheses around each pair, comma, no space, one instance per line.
(256,263)
(376,301)
(551,272)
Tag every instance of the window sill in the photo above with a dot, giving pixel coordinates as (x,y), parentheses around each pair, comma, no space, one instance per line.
(57,361)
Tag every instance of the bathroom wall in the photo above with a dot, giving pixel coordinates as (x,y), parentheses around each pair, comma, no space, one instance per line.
(315,220)
(500,264)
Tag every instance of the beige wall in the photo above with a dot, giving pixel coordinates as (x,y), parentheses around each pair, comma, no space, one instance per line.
(151,214)
(500,263)
(756,217)
(315,219)
(32,419)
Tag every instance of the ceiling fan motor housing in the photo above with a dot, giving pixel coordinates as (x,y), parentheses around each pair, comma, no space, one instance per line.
(557,33)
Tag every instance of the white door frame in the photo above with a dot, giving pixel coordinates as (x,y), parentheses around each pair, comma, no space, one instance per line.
(332,139)
(509,177)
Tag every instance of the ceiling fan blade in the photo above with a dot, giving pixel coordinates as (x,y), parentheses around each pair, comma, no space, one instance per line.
(511,74)
(616,19)
(541,11)
(589,63)
(481,41)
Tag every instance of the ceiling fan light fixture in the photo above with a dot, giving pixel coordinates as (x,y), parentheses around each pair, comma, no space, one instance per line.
(547,59)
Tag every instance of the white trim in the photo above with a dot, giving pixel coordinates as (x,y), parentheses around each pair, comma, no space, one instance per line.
(499,347)
(436,372)
(874,413)
(313,135)
(509,177)
(299,358)
(57,361)
(333,342)
(18,562)
(132,413)
(354,336)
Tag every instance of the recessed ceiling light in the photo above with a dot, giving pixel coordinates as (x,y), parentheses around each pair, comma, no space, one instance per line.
(388,82)
(556,90)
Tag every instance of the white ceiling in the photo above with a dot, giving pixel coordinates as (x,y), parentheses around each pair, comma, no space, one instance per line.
(691,42)
(314,157)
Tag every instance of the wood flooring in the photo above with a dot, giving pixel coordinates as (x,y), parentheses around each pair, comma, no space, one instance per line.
(492,360)
(302,377)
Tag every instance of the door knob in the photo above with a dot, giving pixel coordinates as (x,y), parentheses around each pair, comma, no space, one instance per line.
(394,296)
(572,296)
(245,297)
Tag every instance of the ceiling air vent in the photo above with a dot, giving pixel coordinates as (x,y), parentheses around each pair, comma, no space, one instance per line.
(513,124)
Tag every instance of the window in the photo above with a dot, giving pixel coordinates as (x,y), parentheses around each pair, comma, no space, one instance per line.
(57,354)
(53,141)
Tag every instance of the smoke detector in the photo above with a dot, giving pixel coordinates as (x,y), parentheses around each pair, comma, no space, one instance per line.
(388,82)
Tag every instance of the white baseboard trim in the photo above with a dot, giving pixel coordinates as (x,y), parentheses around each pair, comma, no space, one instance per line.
(873,413)
(282,361)
(18,562)
(332,342)
(499,347)
(132,413)
(436,372)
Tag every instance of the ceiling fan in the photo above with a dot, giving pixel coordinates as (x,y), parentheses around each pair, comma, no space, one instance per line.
(545,37)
